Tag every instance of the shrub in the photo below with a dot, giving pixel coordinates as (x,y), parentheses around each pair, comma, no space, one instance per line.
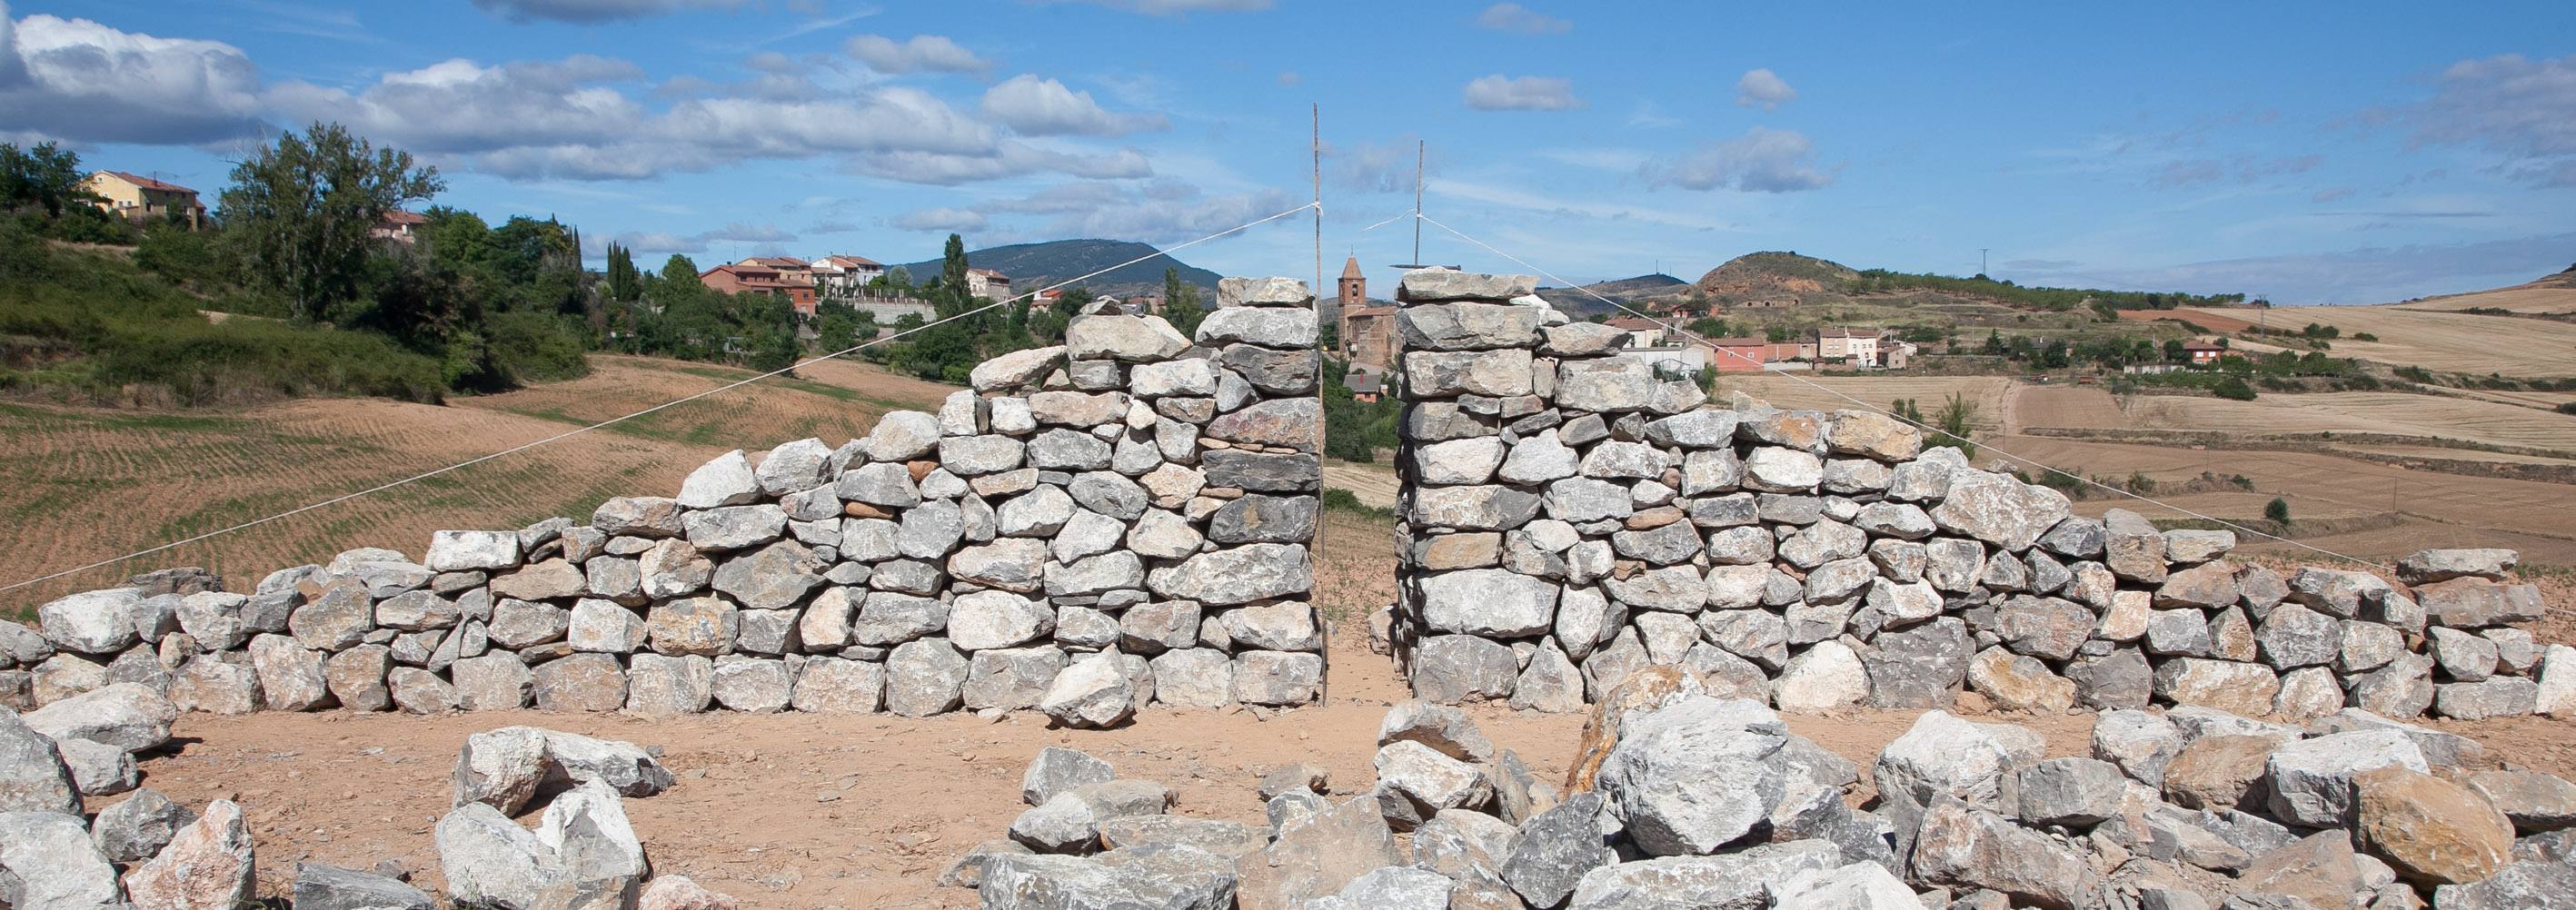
(2233,388)
(2277,511)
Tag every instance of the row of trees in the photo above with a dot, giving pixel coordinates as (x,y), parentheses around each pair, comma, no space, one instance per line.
(2050,298)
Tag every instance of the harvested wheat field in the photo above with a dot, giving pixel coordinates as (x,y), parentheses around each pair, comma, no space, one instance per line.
(1374,484)
(2553,295)
(2064,407)
(2430,509)
(2439,340)
(2378,413)
(88,484)
(1874,392)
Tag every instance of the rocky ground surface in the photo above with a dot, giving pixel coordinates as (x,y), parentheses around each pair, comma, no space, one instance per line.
(786,810)
(1681,799)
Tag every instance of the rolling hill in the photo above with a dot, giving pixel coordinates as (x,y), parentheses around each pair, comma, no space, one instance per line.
(1036,265)
(1772,275)
(1631,291)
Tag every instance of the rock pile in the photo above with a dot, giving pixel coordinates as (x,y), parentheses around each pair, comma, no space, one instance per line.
(1700,801)
(1573,514)
(1104,524)
(583,852)
(144,851)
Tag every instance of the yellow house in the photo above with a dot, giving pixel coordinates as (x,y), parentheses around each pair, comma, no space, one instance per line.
(143,198)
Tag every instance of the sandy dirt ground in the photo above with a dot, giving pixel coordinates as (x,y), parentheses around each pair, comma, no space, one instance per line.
(851,811)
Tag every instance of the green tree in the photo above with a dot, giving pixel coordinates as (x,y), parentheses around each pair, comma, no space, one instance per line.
(1181,305)
(2277,511)
(45,176)
(302,211)
(624,282)
(952,264)
(678,269)
(2233,388)
(1952,422)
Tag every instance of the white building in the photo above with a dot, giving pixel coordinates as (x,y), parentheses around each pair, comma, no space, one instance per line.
(840,276)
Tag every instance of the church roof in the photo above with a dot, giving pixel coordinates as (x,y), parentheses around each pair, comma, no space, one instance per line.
(1351,268)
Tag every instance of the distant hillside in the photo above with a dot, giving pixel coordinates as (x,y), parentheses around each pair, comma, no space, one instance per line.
(1632,291)
(1036,265)
(1774,274)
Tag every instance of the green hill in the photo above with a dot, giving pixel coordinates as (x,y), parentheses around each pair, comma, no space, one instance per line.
(1036,265)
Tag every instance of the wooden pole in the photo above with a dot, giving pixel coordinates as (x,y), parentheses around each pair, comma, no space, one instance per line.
(1315,146)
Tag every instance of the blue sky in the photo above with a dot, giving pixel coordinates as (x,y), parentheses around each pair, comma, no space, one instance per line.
(2313,152)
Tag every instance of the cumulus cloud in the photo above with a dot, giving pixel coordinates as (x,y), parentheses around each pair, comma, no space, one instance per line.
(1524,93)
(593,12)
(1009,158)
(566,119)
(1764,89)
(1044,107)
(2519,108)
(768,236)
(1513,17)
(1760,161)
(80,81)
(917,54)
(940,220)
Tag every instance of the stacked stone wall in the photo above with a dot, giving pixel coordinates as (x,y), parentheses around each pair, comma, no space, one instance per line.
(1096,526)
(1569,517)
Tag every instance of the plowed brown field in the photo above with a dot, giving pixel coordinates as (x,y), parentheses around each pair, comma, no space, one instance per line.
(88,484)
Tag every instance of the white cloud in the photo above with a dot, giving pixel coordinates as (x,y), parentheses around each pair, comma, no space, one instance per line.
(1760,161)
(1513,17)
(2244,168)
(940,220)
(917,54)
(592,12)
(1525,93)
(1008,159)
(1162,221)
(79,81)
(1289,79)
(569,119)
(2521,109)
(1764,89)
(765,236)
(1045,107)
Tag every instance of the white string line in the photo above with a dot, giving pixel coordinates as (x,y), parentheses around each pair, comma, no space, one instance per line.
(1407,213)
(379,488)
(1877,409)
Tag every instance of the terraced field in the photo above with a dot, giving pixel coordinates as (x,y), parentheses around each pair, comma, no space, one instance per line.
(88,484)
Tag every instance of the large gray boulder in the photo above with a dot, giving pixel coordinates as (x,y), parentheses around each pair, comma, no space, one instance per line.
(1318,857)
(1729,880)
(136,829)
(128,716)
(2311,780)
(1552,852)
(321,887)
(33,777)
(92,622)
(1695,776)
(53,862)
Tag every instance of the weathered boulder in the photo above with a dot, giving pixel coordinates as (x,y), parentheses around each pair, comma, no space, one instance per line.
(207,864)
(2434,831)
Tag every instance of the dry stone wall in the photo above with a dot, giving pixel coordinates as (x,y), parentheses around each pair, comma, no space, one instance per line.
(1116,521)
(1569,517)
